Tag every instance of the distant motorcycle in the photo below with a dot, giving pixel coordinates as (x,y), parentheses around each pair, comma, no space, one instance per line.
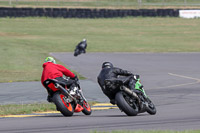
(67,100)
(80,48)
(128,101)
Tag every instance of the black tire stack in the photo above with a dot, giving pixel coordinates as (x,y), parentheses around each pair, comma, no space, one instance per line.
(86,13)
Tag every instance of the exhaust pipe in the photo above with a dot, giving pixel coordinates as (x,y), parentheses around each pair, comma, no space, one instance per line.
(133,94)
(65,92)
(130,92)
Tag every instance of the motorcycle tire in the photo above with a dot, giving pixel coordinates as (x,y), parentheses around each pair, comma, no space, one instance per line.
(76,52)
(67,109)
(124,105)
(151,109)
(87,109)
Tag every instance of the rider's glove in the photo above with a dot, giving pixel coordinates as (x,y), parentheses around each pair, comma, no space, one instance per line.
(75,79)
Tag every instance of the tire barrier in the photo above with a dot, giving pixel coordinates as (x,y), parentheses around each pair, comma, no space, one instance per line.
(85,13)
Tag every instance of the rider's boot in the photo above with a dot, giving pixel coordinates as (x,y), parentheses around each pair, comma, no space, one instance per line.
(49,99)
(112,101)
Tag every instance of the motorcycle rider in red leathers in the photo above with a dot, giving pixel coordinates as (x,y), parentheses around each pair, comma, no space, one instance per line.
(51,70)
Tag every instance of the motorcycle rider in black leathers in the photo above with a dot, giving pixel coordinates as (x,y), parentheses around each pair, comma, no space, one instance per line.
(81,47)
(110,72)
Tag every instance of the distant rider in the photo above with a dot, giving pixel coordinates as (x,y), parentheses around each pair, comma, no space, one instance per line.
(80,48)
(110,72)
(51,70)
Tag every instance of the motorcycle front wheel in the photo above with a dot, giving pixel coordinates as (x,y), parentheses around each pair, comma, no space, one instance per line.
(67,109)
(151,109)
(87,110)
(125,103)
(76,52)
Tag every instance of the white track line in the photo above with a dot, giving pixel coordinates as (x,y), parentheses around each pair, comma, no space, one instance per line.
(178,85)
(182,76)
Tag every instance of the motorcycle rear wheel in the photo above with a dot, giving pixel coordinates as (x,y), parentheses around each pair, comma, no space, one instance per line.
(67,109)
(87,109)
(125,106)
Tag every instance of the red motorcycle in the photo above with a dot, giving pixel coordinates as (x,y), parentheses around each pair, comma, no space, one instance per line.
(67,100)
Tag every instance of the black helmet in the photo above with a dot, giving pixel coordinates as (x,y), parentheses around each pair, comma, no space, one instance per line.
(107,64)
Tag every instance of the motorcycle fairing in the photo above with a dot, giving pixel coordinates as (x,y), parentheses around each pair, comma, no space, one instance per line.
(52,87)
(138,86)
(78,108)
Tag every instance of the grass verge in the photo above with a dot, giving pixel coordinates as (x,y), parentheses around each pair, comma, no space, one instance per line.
(14,109)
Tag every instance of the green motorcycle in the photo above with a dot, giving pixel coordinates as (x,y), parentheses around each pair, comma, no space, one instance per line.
(129,101)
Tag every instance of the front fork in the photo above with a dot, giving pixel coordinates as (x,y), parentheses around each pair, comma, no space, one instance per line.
(81,93)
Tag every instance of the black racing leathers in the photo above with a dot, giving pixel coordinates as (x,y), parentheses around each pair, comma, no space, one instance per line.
(82,46)
(110,73)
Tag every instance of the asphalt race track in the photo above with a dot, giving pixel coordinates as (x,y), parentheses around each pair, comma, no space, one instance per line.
(172,81)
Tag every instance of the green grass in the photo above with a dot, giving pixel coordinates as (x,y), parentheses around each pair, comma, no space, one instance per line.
(150,131)
(102,3)
(25,42)
(14,109)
